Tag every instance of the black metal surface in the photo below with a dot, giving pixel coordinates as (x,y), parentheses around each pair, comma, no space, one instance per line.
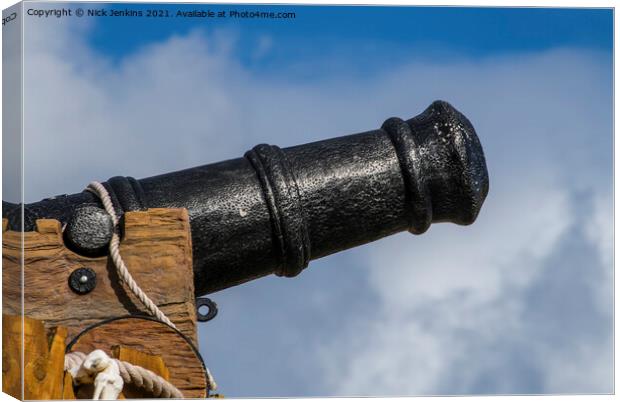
(89,230)
(210,304)
(83,280)
(275,210)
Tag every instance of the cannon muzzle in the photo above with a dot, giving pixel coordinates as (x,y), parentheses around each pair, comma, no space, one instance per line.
(274,210)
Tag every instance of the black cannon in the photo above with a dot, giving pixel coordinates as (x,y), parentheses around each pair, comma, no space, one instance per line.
(274,210)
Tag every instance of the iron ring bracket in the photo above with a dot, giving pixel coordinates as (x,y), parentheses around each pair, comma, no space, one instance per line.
(211,305)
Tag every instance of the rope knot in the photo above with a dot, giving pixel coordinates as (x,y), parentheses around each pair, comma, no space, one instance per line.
(109,376)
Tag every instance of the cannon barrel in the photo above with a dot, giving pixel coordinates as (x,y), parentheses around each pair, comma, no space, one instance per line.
(274,210)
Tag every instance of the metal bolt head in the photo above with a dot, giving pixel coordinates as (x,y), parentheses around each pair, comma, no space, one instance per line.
(83,280)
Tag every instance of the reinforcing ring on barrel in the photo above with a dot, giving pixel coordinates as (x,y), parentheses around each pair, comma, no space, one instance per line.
(205,301)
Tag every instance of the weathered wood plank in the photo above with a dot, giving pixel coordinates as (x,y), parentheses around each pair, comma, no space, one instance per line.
(148,337)
(12,349)
(53,386)
(67,390)
(145,360)
(156,248)
(43,360)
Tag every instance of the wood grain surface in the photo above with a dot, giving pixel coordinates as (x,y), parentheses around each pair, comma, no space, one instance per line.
(145,360)
(12,347)
(184,367)
(44,358)
(156,248)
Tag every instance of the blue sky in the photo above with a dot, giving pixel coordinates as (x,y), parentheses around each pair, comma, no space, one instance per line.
(468,31)
(519,302)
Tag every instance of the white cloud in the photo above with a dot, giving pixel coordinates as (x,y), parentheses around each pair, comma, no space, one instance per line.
(599,231)
(454,312)
(264,44)
(446,292)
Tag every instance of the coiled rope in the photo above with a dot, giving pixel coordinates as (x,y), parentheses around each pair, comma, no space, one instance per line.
(136,375)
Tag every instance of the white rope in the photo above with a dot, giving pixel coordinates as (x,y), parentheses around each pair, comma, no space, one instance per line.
(98,189)
(139,376)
